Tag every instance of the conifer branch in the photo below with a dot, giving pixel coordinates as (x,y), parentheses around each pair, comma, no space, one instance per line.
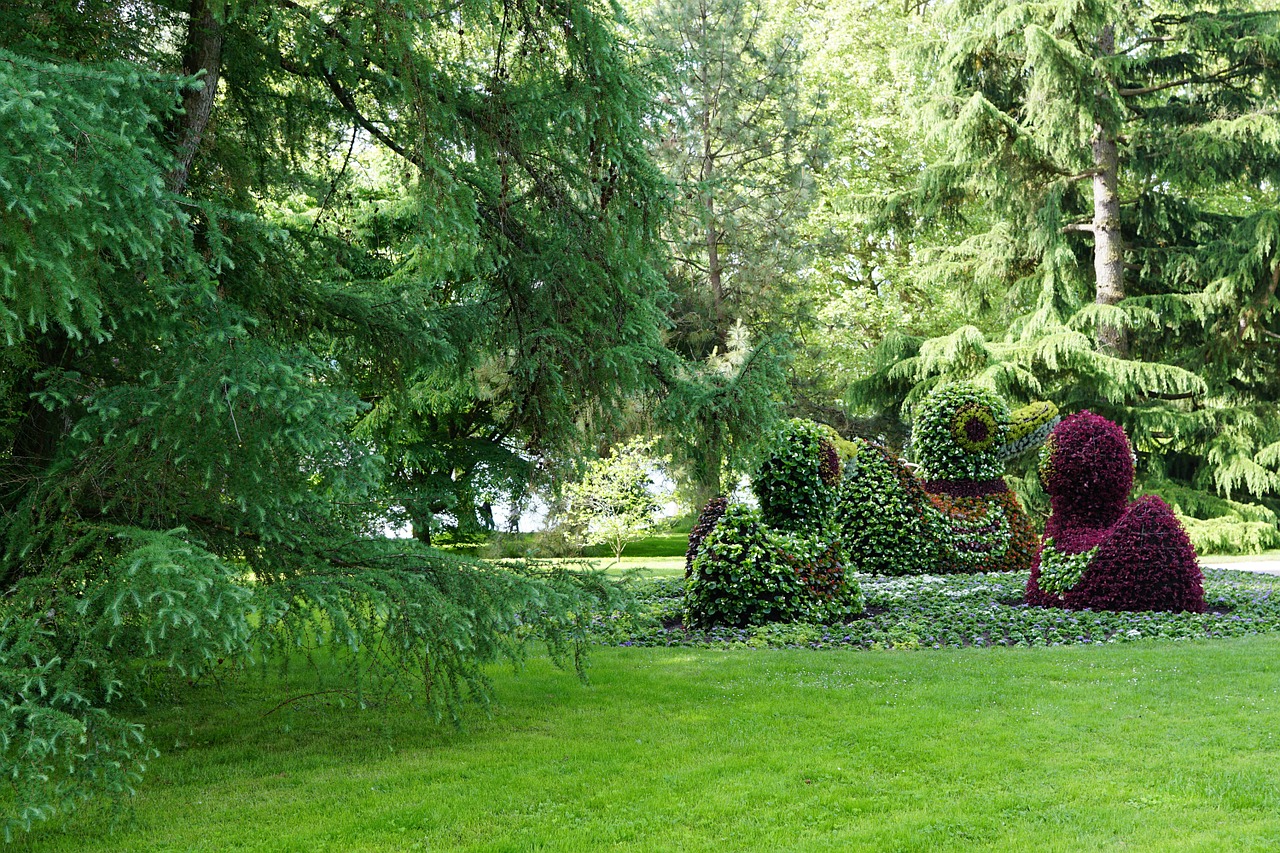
(1156,395)
(1143,42)
(1228,73)
(348,102)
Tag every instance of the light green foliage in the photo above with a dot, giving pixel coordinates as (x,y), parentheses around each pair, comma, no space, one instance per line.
(735,131)
(714,412)
(866,284)
(614,502)
(1060,572)
(1218,525)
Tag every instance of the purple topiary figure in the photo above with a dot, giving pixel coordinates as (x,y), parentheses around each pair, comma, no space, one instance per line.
(1100,551)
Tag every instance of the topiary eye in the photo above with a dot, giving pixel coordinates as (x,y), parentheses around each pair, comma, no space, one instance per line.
(974,428)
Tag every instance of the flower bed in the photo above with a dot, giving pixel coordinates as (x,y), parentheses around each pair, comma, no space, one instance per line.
(955,611)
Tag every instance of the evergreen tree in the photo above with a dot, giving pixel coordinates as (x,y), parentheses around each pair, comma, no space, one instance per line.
(1126,156)
(268,270)
(735,133)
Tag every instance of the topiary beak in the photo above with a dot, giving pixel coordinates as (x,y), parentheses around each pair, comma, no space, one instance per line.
(1028,427)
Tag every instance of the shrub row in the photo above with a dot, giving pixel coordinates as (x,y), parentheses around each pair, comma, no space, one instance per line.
(954,611)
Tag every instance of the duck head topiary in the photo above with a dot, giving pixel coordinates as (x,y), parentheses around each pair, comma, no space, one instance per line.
(963,435)
(796,483)
(1086,467)
(966,433)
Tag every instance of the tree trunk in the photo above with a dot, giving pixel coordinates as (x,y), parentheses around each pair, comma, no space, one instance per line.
(714,275)
(706,173)
(203,53)
(1108,241)
(420,522)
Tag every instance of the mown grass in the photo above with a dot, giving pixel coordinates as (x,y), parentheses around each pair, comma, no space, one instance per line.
(1154,746)
(658,545)
(1223,559)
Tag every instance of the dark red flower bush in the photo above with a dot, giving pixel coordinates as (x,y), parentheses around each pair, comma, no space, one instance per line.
(706,521)
(1143,558)
(830,470)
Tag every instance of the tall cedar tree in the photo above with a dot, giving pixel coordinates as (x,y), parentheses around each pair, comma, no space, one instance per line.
(269,270)
(1127,158)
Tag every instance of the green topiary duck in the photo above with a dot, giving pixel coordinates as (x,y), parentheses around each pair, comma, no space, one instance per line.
(962,437)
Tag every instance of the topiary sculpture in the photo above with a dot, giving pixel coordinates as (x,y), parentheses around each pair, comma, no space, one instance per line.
(1100,551)
(962,436)
(796,484)
(782,562)
(880,514)
(706,522)
(746,573)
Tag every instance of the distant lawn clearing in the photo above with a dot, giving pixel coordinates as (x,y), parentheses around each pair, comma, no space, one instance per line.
(1151,746)
(648,567)
(1223,559)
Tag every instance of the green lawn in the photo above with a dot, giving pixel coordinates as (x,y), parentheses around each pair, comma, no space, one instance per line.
(658,556)
(649,567)
(1147,746)
(1223,559)
(658,545)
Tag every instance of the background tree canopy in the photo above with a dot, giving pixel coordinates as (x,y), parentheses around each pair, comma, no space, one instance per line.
(279,275)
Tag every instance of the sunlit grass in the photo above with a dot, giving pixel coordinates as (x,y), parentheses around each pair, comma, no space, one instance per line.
(1223,559)
(1161,746)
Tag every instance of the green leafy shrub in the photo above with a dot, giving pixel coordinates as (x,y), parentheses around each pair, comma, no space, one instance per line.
(748,574)
(796,482)
(880,514)
(737,580)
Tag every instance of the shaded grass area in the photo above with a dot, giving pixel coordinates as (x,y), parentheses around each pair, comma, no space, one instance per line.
(1153,746)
